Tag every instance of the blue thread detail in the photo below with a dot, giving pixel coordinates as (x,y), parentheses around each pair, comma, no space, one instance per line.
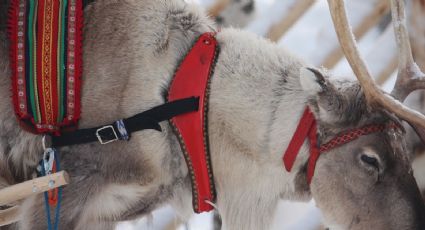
(122,130)
(46,196)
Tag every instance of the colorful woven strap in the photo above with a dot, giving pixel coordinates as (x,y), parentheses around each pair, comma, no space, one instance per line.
(353,134)
(46,37)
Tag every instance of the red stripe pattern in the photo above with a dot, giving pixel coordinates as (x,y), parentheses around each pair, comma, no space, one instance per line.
(17,41)
(74,64)
(46,62)
(48,96)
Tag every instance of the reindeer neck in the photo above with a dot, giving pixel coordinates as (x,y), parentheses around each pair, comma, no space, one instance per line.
(256,102)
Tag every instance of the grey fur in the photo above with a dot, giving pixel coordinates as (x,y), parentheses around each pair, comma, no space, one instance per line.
(131,50)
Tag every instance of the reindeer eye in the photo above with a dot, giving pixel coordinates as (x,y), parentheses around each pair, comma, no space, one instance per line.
(370,160)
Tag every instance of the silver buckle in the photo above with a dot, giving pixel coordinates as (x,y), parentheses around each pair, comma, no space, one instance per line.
(108,141)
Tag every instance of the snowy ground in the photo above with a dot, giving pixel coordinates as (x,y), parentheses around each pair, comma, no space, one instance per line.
(310,38)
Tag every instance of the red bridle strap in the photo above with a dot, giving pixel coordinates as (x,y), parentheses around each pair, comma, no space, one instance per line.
(353,134)
(307,127)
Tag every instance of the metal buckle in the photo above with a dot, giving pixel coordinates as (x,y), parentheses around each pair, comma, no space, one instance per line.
(104,142)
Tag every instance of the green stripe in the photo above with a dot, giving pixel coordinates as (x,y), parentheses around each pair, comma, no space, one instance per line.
(61,59)
(36,95)
(64,26)
(32,46)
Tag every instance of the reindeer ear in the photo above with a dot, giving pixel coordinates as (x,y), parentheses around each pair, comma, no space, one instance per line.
(328,101)
(312,80)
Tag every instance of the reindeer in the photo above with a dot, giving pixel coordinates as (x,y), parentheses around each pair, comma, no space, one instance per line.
(258,93)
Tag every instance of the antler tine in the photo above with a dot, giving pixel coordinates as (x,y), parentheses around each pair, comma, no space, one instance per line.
(409,76)
(374,95)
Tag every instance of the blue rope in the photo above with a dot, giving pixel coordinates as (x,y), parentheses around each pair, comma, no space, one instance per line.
(46,197)
(58,206)
(47,207)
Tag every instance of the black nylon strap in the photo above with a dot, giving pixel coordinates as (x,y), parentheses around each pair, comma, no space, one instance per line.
(86,2)
(146,120)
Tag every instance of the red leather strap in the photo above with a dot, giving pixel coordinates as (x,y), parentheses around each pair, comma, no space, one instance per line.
(314,151)
(307,127)
(191,80)
(301,133)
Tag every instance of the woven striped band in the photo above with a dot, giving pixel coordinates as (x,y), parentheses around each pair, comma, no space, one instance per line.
(45,38)
(353,134)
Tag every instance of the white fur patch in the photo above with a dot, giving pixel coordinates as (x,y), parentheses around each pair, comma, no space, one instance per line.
(309,81)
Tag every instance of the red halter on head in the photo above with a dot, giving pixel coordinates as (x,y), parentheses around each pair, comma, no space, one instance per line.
(308,127)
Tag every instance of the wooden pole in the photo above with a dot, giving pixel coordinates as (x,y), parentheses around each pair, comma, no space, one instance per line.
(217,7)
(28,188)
(385,74)
(9,216)
(381,8)
(277,30)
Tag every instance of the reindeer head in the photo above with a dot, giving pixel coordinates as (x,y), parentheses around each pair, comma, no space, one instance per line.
(367,181)
(369,177)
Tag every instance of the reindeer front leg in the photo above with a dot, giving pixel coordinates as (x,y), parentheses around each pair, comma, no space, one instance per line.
(245,210)
(247,192)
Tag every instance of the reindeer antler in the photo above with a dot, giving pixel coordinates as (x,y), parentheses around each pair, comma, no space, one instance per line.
(409,77)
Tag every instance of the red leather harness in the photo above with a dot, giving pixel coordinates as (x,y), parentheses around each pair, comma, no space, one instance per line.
(192,80)
(307,127)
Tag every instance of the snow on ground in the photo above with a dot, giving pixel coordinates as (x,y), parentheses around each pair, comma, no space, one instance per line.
(311,38)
